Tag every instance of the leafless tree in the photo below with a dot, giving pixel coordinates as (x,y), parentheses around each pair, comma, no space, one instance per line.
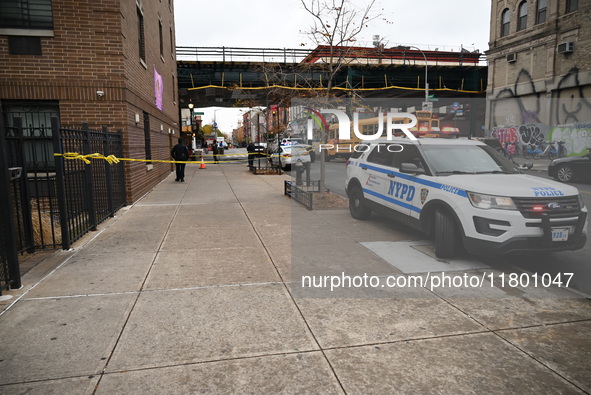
(336,25)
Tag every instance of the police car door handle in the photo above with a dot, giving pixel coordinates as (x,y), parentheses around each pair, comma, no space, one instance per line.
(391,175)
(363,168)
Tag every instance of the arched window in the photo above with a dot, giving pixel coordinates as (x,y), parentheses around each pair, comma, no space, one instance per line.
(505,22)
(541,11)
(522,20)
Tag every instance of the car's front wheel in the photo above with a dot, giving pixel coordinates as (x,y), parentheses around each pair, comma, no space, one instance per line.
(446,236)
(357,204)
(565,173)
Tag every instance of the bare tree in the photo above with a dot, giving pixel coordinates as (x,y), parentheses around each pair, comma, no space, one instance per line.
(336,25)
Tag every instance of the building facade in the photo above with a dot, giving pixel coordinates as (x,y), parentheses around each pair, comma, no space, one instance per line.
(539,74)
(110,63)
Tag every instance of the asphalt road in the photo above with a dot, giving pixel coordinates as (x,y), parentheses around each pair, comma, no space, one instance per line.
(576,262)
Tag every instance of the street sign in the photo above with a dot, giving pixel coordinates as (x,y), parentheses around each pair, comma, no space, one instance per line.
(428,106)
(199,113)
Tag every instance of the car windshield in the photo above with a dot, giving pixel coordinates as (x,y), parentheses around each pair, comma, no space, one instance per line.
(466,159)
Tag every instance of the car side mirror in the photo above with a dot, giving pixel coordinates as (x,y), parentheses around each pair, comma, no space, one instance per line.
(411,168)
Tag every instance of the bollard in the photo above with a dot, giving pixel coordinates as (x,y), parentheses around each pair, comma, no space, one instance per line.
(299,168)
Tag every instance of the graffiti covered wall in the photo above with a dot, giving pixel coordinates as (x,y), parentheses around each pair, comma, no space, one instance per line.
(526,113)
(577,137)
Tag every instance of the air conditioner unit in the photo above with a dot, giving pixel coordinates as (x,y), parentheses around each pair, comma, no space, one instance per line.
(512,58)
(565,47)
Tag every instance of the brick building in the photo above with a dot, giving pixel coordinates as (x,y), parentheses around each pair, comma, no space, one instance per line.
(539,75)
(108,62)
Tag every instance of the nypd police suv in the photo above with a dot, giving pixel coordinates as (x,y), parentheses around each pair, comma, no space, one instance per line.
(465,194)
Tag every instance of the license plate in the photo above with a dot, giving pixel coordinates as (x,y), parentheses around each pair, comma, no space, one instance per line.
(559,234)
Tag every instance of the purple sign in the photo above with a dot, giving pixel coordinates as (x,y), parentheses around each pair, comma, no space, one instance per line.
(158,88)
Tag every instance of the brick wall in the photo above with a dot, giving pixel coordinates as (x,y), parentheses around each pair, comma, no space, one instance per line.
(539,71)
(95,48)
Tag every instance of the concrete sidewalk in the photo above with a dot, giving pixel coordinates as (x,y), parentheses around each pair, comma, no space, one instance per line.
(197,288)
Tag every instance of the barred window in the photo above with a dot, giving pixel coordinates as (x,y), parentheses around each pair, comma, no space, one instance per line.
(140,33)
(26,14)
(147,136)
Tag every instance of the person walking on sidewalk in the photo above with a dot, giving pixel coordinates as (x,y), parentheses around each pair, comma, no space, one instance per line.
(214,149)
(250,149)
(180,153)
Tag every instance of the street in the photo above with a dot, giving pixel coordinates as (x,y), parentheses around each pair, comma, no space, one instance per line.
(576,262)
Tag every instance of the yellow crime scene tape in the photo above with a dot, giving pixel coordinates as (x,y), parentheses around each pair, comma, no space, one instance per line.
(111,159)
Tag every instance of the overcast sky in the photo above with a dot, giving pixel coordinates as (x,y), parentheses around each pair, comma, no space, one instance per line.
(427,24)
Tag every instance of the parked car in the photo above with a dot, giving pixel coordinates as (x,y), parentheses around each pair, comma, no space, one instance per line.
(572,168)
(286,155)
(260,150)
(291,141)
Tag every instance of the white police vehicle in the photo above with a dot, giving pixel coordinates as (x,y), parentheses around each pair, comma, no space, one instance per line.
(465,194)
(288,141)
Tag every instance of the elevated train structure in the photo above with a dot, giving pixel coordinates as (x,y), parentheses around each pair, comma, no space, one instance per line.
(222,76)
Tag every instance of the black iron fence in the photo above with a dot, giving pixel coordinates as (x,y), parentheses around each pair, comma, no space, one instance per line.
(303,192)
(54,201)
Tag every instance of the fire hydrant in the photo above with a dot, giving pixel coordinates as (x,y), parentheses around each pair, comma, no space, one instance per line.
(299,168)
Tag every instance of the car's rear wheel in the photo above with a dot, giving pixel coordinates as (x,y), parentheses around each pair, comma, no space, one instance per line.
(357,204)
(565,173)
(446,235)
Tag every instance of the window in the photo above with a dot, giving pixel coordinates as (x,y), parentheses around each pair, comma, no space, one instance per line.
(140,34)
(160,35)
(171,41)
(522,20)
(409,154)
(381,155)
(147,139)
(36,120)
(541,11)
(26,14)
(173,89)
(505,22)
(572,5)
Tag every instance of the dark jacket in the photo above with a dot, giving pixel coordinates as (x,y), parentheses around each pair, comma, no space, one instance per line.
(180,152)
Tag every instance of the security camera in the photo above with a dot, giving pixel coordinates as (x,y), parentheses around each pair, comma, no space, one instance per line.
(100,93)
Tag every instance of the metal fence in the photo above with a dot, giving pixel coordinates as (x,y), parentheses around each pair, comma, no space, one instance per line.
(54,201)
(302,193)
